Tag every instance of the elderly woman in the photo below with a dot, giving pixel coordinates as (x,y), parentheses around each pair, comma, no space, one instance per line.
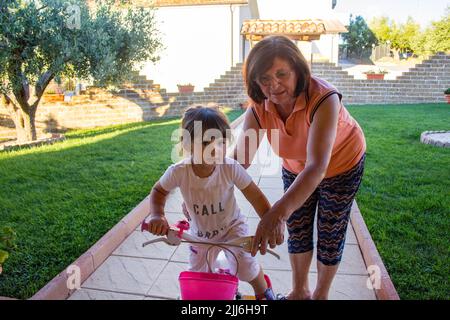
(323,150)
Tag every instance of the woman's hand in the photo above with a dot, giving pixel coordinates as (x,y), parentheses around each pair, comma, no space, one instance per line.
(270,230)
(158,225)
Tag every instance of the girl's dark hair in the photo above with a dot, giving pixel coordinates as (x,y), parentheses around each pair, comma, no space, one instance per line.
(210,117)
(261,57)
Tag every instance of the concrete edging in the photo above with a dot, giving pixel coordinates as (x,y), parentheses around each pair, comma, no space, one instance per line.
(58,289)
(371,256)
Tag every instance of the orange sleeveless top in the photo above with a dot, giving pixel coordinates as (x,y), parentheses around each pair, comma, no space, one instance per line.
(350,143)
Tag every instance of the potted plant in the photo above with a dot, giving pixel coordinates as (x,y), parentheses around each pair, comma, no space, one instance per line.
(375,74)
(7,244)
(447,95)
(54,95)
(185,88)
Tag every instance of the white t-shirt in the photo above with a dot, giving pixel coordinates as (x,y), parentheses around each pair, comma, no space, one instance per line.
(210,201)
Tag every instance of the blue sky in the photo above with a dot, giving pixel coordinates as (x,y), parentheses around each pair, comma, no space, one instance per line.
(423,11)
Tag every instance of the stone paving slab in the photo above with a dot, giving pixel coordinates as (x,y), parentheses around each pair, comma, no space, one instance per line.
(126,275)
(344,287)
(167,284)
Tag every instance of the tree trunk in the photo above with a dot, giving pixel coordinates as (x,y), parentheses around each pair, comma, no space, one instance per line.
(396,54)
(24,122)
(25,126)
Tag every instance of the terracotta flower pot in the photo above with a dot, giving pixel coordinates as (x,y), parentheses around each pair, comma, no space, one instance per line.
(185,88)
(375,76)
(447,97)
(54,97)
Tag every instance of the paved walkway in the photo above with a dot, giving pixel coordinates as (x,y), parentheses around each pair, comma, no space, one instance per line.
(150,273)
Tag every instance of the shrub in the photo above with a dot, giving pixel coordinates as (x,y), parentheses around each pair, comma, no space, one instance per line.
(7,244)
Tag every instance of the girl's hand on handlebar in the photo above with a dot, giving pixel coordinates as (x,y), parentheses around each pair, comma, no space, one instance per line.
(158,225)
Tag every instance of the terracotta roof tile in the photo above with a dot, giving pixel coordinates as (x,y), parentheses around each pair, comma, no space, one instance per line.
(168,3)
(294,28)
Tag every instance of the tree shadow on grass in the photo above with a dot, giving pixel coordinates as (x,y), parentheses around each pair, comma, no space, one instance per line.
(92,132)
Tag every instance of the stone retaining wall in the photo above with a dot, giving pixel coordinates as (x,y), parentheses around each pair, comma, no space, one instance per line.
(425,83)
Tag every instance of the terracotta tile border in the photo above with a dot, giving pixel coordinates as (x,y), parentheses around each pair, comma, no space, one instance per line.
(57,288)
(371,256)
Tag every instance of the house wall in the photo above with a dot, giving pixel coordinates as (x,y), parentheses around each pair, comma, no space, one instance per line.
(200,44)
(328,46)
(197,39)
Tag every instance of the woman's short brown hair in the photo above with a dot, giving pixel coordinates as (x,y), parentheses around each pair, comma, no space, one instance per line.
(261,57)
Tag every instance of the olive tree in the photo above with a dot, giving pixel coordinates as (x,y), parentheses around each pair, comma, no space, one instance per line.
(43,40)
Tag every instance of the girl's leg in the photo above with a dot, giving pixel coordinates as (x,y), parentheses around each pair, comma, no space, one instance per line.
(336,196)
(244,265)
(248,270)
(259,284)
(197,258)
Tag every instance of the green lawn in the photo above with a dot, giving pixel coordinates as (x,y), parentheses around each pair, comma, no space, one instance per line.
(61,199)
(405,196)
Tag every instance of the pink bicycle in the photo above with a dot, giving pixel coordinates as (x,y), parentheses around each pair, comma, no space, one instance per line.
(218,285)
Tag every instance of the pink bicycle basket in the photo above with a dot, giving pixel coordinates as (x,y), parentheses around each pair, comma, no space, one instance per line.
(208,285)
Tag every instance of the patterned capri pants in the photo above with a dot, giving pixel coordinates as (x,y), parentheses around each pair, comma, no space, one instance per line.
(333,199)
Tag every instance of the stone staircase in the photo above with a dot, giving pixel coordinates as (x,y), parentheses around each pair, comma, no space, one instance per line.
(330,72)
(432,68)
(229,88)
(424,83)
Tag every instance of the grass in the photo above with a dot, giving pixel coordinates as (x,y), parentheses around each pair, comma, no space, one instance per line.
(405,196)
(61,199)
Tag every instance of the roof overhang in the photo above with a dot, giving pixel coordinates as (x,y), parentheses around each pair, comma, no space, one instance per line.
(304,30)
(174,3)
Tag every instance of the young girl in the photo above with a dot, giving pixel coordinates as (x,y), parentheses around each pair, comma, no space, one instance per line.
(206,179)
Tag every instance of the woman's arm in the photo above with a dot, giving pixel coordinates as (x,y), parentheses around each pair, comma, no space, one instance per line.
(259,201)
(248,141)
(256,198)
(322,135)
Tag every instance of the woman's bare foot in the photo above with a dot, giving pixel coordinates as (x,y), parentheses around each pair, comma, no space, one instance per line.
(320,295)
(304,295)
